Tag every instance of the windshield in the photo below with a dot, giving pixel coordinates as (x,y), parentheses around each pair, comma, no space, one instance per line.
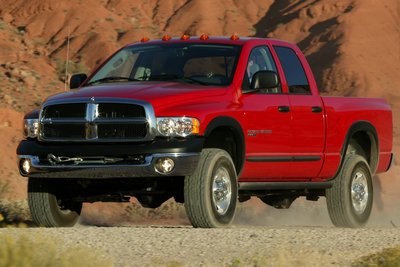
(205,64)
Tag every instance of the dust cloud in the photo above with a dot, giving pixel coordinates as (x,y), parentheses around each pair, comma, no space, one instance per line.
(385,212)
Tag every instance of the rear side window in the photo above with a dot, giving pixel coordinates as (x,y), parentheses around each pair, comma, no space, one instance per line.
(294,72)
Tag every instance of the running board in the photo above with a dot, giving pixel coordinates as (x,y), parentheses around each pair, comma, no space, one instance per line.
(284,185)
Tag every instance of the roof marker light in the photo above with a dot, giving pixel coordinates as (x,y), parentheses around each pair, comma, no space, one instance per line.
(166,37)
(185,37)
(144,39)
(204,37)
(235,37)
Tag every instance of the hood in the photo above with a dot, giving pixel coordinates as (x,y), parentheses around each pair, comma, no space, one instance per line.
(159,94)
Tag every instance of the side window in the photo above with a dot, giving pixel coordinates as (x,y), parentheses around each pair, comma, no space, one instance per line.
(260,59)
(293,69)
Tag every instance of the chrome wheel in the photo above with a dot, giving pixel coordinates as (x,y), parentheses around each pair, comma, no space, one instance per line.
(211,192)
(350,199)
(221,190)
(359,192)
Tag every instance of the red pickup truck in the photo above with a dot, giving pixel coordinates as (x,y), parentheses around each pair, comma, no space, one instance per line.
(209,121)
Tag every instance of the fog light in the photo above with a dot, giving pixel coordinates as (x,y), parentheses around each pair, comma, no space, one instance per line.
(164,165)
(25,166)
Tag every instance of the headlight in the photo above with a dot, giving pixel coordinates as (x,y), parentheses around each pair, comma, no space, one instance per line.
(171,126)
(31,128)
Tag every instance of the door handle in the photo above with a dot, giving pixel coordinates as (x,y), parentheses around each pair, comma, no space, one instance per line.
(283,109)
(316,109)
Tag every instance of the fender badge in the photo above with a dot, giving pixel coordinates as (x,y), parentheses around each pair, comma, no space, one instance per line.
(255,132)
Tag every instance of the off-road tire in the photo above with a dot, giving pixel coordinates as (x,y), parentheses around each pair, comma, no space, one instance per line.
(339,197)
(198,190)
(45,206)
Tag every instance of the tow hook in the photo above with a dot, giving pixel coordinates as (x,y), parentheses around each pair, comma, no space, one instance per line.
(54,160)
(57,160)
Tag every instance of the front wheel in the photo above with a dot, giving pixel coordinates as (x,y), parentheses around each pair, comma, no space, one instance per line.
(211,192)
(47,209)
(349,200)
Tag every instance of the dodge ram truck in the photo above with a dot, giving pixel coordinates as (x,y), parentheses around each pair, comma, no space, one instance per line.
(210,122)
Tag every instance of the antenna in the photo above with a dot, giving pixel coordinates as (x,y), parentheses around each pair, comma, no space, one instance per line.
(67,62)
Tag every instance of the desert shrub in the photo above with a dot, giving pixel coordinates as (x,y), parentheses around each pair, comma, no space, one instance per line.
(38,251)
(72,68)
(4,187)
(389,257)
(14,213)
(3,25)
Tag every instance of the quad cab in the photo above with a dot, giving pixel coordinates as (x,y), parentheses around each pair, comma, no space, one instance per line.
(210,122)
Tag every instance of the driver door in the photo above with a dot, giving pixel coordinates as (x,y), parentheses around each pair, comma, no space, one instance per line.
(269,124)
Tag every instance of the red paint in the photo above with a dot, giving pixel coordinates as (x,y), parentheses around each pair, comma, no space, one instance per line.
(299,132)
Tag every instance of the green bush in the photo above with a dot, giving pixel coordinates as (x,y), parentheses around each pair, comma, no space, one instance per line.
(38,251)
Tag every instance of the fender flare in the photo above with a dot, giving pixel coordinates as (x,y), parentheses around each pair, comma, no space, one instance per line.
(361,126)
(234,125)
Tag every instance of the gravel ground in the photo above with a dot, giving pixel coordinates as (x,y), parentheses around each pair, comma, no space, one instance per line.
(300,236)
(284,246)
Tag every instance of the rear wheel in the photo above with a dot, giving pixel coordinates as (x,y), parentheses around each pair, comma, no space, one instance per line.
(349,200)
(211,192)
(47,209)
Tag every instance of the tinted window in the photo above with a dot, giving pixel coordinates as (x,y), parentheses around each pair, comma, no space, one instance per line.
(260,58)
(207,64)
(294,72)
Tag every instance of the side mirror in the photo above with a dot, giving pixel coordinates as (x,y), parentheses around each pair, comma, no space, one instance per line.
(76,80)
(264,79)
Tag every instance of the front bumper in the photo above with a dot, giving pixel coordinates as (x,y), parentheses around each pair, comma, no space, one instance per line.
(185,154)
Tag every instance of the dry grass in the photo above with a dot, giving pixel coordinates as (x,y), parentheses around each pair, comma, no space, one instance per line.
(38,251)
(284,258)
(4,188)
(14,213)
(163,263)
(389,257)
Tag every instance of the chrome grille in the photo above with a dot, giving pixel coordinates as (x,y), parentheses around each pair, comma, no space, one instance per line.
(99,120)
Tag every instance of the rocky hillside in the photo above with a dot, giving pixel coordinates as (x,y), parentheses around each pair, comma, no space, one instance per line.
(353,46)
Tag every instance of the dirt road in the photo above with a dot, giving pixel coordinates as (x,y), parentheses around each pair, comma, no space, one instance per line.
(284,246)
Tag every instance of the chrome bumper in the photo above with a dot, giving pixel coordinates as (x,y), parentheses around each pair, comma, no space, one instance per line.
(185,164)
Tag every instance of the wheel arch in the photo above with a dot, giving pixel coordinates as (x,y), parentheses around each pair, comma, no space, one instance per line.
(227,128)
(364,134)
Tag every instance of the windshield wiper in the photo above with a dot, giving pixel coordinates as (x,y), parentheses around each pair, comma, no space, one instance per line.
(193,80)
(168,77)
(112,78)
